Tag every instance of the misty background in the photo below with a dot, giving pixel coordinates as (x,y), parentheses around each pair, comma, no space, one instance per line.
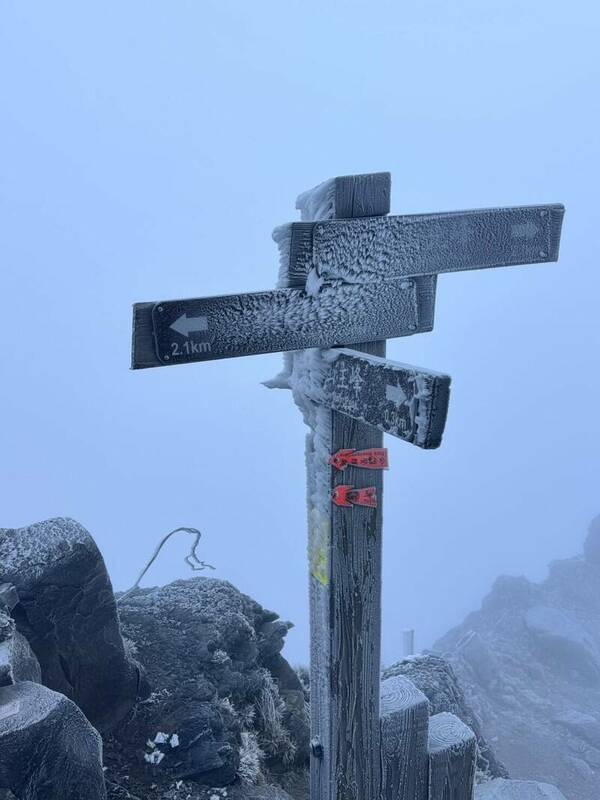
(147,151)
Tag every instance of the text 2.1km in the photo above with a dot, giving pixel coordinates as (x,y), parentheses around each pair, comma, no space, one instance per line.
(188,348)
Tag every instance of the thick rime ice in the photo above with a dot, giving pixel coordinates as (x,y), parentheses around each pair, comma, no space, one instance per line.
(373,248)
(395,398)
(290,319)
(317,203)
(303,373)
(282,236)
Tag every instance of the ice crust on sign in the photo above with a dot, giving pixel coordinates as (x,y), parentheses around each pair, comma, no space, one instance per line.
(303,373)
(317,203)
(399,399)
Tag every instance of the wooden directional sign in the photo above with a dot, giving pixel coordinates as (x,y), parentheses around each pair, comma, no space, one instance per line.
(381,248)
(183,331)
(398,399)
(351,275)
(365,279)
(407,402)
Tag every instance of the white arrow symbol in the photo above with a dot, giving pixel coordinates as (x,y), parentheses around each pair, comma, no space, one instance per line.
(186,325)
(395,395)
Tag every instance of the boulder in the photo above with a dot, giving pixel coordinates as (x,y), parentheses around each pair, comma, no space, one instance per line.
(48,749)
(207,649)
(517,790)
(591,547)
(563,640)
(529,664)
(262,792)
(584,726)
(67,612)
(9,596)
(17,660)
(434,676)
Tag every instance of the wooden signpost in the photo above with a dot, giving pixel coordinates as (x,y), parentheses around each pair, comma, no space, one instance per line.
(350,275)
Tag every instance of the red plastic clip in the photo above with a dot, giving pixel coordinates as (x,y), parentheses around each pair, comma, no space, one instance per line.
(348,496)
(375,458)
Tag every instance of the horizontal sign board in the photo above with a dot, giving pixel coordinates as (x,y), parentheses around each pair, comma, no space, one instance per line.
(184,331)
(399,399)
(381,248)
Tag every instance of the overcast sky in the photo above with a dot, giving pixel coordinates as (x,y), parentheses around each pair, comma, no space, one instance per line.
(147,151)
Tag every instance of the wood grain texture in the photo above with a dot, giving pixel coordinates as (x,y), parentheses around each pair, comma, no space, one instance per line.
(355,607)
(404,739)
(345,601)
(381,248)
(452,758)
(277,321)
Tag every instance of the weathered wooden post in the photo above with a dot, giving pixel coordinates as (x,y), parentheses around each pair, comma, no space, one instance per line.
(452,758)
(345,560)
(405,742)
(351,275)
(408,642)
(345,545)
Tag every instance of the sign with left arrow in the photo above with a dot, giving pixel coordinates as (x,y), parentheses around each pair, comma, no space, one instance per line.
(185,325)
(202,329)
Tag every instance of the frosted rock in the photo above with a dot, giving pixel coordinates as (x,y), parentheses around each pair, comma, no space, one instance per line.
(585,726)
(48,749)
(482,661)
(9,596)
(177,631)
(564,639)
(591,548)
(501,789)
(68,614)
(543,714)
(17,660)
(508,590)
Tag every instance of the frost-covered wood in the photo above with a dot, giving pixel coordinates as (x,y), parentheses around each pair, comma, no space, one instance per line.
(405,401)
(347,196)
(278,320)
(355,626)
(345,573)
(452,758)
(404,739)
(377,248)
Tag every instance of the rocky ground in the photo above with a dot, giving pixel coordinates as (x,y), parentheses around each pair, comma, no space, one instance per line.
(185,683)
(181,692)
(529,664)
(224,704)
